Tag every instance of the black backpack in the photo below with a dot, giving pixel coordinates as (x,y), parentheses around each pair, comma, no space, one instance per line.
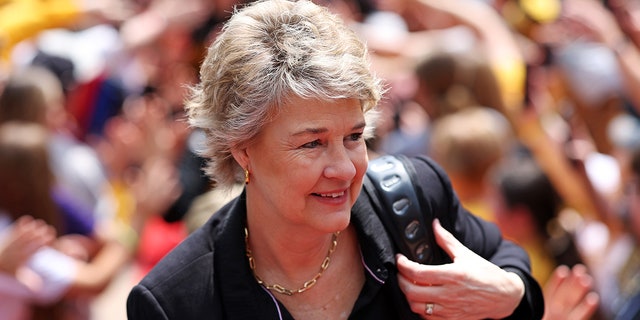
(395,201)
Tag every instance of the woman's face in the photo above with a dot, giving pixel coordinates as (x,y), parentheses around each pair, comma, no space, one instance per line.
(307,165)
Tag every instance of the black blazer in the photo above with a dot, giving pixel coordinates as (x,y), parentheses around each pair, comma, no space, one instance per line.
(207,276)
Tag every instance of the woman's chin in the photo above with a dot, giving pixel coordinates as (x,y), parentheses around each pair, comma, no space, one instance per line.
(340,221)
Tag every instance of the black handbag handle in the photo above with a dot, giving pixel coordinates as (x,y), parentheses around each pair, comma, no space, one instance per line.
(408,226)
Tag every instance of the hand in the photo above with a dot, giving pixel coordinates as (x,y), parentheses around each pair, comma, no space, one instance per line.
(77,246)
(592,19)
(26,236)
(568,294)
(468,288)
(115,11)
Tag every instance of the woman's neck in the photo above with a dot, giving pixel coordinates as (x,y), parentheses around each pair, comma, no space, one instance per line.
(288,257)
(335,291)
(291,255)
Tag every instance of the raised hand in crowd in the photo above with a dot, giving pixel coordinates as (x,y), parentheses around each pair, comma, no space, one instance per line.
(26,236)
(617,31)
(569,294)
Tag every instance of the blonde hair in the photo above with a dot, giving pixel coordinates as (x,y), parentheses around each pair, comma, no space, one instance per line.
(469,142)
(267,52)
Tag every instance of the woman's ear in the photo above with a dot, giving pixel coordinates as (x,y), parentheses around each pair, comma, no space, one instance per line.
(241,157)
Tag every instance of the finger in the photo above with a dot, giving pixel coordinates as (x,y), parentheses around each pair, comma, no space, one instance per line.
(45,234)
(559,275)
(41,239)
(421,308)
(413,292)
(25,230)
(23,220)
(409,269)
(33,234)
(428,275)
(418,295)
(574,288)
(586,308)
(447,241)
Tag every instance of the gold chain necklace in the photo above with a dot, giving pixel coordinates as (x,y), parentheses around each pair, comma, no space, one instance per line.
(280,289)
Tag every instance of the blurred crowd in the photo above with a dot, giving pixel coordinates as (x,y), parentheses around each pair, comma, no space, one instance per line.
(532,107)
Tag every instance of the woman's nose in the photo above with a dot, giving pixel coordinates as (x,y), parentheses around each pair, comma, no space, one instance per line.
(340,164)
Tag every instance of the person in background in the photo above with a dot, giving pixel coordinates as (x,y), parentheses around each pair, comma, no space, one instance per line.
(75,163)
(528,210)
(468,155)
(35,95)
(57,279)
(286,100)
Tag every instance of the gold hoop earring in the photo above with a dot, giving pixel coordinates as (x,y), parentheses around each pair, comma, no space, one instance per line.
(246,176)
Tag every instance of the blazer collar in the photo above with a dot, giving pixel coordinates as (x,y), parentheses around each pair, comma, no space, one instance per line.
(233,274)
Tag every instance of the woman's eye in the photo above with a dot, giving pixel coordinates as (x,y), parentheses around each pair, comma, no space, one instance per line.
(355,136)
(312,144)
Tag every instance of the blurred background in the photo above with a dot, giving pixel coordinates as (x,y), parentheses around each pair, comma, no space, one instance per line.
(531,106)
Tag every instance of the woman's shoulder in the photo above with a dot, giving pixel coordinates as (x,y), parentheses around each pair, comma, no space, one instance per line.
(179,281)
(181,284)
(194,255)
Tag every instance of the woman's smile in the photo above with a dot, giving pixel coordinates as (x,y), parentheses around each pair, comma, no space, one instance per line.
(333,198)
(307,165)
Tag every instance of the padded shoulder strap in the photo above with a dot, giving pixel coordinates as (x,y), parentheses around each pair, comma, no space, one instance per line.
(394,197)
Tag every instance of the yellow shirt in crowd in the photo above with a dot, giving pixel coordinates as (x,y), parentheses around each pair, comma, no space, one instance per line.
(23,19)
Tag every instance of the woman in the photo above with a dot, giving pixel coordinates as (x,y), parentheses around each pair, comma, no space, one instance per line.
(285,100)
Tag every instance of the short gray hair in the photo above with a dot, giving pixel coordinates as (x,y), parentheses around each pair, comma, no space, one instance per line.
(267,52)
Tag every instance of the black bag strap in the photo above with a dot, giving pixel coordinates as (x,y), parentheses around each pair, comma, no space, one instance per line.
(398,206)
